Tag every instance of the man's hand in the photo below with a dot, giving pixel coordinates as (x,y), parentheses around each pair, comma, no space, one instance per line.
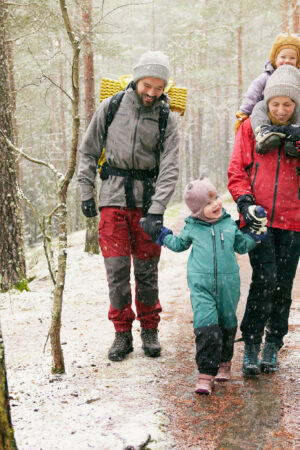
(152,225)
(88,208)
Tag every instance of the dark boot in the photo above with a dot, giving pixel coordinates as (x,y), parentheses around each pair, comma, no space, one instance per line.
(251,362)
(269,358)
(122,345)
(151,345)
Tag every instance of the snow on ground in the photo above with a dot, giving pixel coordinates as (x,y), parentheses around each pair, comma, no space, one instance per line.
(98,403)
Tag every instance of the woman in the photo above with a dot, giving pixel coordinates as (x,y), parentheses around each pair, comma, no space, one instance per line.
(271,179)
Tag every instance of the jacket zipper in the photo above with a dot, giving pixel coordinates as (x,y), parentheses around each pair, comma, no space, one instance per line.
(276,186)
(215,259)
(255,173)
(298,181)
(134,136)
(222,239)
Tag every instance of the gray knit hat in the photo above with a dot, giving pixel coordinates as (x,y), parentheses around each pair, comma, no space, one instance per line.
(284,82)
(197,195)
(152,64)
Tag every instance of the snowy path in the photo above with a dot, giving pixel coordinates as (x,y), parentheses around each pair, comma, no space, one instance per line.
(112,406)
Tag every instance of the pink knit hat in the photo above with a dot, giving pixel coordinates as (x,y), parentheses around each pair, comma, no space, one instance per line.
(197,195)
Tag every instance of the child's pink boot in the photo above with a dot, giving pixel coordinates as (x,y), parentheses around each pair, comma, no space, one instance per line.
(224,371)
(205,384)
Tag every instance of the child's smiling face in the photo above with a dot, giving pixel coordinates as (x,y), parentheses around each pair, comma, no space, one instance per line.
(213,209)
(286,56)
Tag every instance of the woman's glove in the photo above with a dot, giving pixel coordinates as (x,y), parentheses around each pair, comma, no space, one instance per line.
(292,140)
(152,225)
(88,208)
(254,216)
(267,138)
(241,118)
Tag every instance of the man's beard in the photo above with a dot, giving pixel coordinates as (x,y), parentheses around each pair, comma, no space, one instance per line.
(144,97)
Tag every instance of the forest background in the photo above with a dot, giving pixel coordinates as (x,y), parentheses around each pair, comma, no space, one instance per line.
(53,55)
(216,48)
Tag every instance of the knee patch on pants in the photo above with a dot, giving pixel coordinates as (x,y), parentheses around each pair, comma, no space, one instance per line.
(146,278)
(118,278)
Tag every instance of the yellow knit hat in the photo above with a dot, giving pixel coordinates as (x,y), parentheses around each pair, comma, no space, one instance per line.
(285,40)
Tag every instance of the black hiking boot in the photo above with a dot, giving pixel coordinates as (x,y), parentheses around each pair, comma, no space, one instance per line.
(122,345)
(251,362)
(151,345)
(268,361)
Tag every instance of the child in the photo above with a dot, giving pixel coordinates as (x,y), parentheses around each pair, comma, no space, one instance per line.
(285,50)
(213,277)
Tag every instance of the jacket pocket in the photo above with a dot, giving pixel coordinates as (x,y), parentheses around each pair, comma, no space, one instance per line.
(149,133)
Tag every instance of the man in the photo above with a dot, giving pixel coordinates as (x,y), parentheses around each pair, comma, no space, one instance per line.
(138,179)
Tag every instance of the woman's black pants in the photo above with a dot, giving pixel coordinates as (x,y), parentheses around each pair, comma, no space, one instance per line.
(274,263)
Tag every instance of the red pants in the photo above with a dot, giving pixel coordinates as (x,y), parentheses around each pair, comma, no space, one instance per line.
(121,238)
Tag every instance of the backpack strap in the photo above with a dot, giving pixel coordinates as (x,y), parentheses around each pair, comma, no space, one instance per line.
(111,112)
(162,123)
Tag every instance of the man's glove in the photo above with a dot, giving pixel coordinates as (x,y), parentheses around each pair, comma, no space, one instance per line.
(254,216)
(241,118)
(88,208)
(164,232)
(152,225)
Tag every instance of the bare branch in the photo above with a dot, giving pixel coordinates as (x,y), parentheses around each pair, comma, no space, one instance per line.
(58,174)
(43,230)
(31,33)
(115,9)
(57,85)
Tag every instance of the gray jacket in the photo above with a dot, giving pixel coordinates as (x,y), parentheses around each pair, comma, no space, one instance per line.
(131,144)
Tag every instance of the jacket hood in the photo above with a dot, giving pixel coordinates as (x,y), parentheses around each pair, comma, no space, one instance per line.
(269,68)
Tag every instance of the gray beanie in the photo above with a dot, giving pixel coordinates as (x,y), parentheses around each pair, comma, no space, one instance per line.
(154,65)
(284,82)
(197,195)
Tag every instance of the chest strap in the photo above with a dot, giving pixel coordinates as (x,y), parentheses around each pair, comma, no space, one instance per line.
(129,175)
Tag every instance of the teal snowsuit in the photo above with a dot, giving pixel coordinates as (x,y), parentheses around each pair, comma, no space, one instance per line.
(214,282)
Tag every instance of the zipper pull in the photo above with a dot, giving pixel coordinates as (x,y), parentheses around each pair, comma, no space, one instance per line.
(212,232)
(222,239)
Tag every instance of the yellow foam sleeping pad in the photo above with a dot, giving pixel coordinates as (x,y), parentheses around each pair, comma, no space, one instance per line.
(177,95)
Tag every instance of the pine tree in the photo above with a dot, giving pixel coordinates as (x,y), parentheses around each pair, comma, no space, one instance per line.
(12,260)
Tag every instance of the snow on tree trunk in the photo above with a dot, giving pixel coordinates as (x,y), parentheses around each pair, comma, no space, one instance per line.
(7,440)
(12,260)
(57,353)
(91,236)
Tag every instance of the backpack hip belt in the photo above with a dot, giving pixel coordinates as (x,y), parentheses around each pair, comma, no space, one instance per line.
(129,175)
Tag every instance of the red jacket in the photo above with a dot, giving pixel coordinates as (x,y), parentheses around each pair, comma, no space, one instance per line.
(273,179)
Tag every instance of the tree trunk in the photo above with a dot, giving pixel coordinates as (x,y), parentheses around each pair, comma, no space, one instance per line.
(240,70)
(57,353)
(12,260)
(296,14)
(284,16)
(91,236)
(7,440)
